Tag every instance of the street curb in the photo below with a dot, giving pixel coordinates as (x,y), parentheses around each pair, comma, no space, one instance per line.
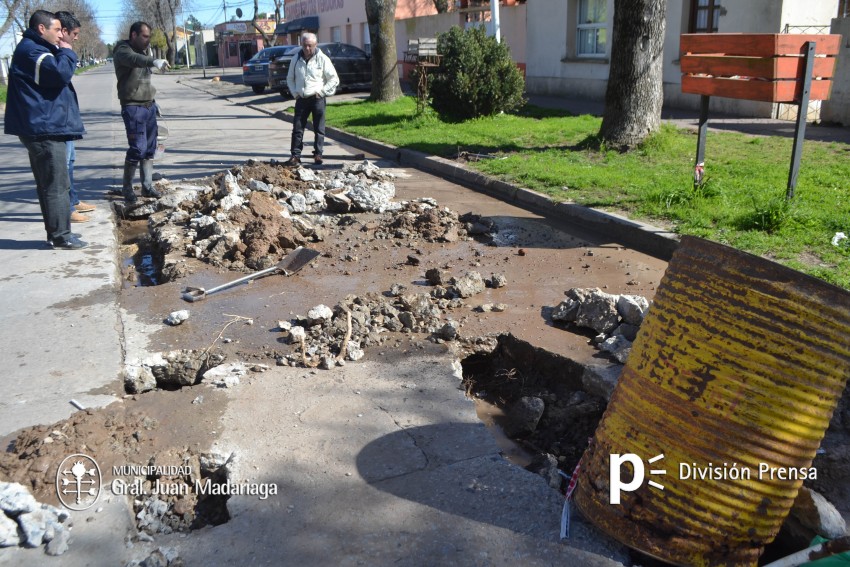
(644,237)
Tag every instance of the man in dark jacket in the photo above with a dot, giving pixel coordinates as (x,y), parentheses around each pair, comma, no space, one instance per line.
(138,107)
(42,110)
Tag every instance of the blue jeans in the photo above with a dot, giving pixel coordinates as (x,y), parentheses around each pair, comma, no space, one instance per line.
(140,124)
(303,108)
(72,157)
(49,164)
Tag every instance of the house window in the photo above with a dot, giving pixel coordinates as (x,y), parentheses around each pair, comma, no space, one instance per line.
(592,28)
(336,34)
(232,49)
(705,15)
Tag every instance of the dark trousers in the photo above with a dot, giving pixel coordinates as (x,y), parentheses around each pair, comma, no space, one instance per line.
(49,163)
(303,108)
(72,157)
(140,124)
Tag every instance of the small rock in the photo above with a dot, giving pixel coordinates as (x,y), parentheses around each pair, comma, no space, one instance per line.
(8,531)
(59,544)
(448,331)
(496,281)
(177,317)
(523,416)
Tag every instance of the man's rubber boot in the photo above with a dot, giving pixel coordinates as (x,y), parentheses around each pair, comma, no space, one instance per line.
(147,180)
(127,188)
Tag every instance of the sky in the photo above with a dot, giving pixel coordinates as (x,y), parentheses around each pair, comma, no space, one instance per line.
(109,14)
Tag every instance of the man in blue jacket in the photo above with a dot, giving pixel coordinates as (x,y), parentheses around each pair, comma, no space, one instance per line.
(42,110)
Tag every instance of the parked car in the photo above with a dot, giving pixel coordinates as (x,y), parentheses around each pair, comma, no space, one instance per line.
(255,71)
(352,64)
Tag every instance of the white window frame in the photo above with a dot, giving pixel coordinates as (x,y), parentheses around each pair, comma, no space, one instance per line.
(590,27)
(336,34)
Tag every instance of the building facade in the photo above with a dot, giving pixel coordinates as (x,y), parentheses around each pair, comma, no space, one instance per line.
(238,41)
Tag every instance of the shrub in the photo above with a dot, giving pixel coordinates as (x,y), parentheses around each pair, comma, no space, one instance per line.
(476,77)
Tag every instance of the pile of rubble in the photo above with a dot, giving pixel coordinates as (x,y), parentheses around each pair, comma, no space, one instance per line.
(616,318)
(26,522)
(237,221)
(171,503)
(328,337)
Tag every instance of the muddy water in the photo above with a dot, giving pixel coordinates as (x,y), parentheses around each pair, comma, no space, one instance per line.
(541,259)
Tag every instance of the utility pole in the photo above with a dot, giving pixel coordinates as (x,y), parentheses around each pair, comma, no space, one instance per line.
(494,16)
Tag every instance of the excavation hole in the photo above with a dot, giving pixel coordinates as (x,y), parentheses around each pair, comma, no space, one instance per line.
(534,400)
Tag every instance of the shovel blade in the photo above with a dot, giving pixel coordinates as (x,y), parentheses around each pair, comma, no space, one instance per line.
(296,260)
(193,294)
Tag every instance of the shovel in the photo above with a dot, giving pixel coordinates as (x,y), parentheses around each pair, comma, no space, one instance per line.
(293,262)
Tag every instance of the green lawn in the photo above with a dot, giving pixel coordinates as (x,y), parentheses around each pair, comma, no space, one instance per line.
(3,93)
(742,204)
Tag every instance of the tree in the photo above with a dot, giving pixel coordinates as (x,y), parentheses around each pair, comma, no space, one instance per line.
(194,23)
(268,40)
(380,14)
(442,6)
(11,7)
(635,90)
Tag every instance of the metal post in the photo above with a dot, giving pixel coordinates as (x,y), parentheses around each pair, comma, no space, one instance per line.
(699,165)
(494,16)
(802,113)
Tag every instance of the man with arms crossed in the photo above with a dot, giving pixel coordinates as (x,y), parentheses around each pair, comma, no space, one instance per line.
(42,110)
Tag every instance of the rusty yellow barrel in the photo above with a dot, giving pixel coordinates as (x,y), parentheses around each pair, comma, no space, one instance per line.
(738,367)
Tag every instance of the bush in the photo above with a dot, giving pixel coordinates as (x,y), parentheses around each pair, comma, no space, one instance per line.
(476,77)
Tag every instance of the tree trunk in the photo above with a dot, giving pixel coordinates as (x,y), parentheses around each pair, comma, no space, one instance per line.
(635,88)
(381,17)
(11,9)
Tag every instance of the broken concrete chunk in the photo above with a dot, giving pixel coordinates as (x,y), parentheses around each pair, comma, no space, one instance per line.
(448,331)
(566,311)
(471,283)
(436,276)
(319,314)
(496,281)
(256,185)
(618,346)
(337,203)
(597,310)
(297,203)
(546,465)
(377,197)
(59,543)
(16,499)
(225,375)
(817,515)
(523,416)
(632,308)
(305,174)
(177,317)
(627,330)
(8,532)
(297,333)
(138,379)
(33,526)
(231,201)
(353,351)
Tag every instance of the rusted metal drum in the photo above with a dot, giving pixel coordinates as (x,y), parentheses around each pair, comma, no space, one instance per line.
(737,367)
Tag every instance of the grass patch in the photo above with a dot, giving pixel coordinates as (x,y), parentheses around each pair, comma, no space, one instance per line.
(3,90)
(742,202)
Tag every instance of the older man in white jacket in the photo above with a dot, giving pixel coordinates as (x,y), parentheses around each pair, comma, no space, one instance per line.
(311,79)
